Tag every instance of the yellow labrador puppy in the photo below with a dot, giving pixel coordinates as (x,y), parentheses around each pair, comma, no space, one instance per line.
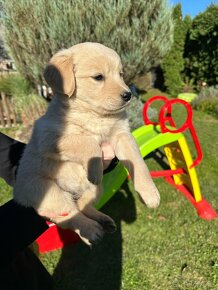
(61,170)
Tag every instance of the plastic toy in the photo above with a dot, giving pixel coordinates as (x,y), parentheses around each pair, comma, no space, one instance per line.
(182,174)
(188,97)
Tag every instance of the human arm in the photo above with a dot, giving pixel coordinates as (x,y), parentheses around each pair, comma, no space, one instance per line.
(19,226)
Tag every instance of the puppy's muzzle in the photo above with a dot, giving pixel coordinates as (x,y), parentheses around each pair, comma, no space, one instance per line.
(126,96)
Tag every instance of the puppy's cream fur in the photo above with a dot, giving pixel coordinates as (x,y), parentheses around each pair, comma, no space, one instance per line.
(61,169)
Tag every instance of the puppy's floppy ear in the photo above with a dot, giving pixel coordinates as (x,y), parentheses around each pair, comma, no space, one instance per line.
(59,73)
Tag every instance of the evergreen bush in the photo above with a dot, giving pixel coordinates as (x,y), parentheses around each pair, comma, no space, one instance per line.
(140,31)
(202,48)
(173,63)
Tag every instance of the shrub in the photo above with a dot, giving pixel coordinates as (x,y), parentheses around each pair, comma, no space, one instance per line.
(15,85)
(188,85)
(207,101)
(173,63)
(208,93)
(201,47)
(209,106)
(140,31)
(27,105)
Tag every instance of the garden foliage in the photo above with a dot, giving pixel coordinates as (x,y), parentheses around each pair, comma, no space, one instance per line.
(202,47)
(207,101)
(173,63)
(140,31)
(28,106)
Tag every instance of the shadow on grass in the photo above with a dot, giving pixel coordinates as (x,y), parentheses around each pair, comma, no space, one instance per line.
(160,158)
(100,267)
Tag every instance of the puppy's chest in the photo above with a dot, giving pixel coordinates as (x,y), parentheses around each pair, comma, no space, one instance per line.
(101,129)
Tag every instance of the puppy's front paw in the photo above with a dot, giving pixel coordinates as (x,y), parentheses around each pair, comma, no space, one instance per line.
(91,234)
(149,195)
(108,224)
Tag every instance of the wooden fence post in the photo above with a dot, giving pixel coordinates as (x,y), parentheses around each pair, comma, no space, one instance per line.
(7,113)
(2,117)
(6,109)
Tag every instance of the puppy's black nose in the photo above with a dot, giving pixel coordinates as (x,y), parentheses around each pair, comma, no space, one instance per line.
(126,96)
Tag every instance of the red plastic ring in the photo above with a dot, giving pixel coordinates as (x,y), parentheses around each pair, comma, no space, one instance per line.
(147,121)
(166,111)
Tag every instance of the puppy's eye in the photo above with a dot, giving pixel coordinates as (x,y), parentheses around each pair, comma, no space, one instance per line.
(99,77)
(121,74)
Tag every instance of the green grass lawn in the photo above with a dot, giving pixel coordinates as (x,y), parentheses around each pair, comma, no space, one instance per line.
(169,248)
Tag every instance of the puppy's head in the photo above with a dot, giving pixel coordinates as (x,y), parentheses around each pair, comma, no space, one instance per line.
(92,73)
